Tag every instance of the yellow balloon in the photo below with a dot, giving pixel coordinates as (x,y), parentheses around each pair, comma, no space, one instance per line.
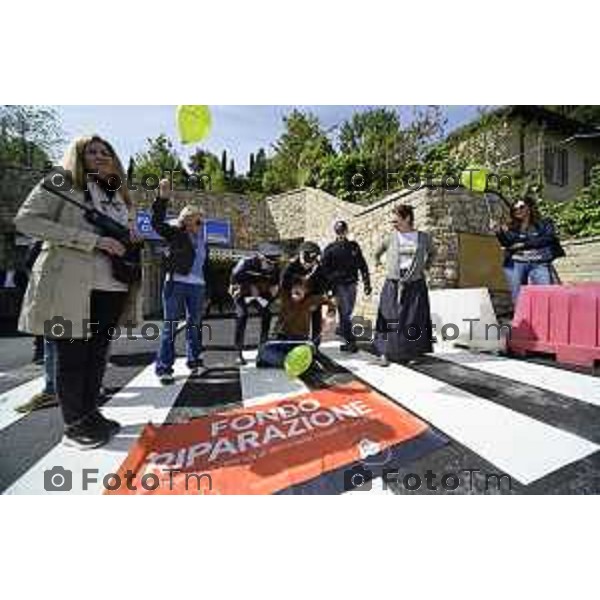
(194,122)
(475,179)
(298,361)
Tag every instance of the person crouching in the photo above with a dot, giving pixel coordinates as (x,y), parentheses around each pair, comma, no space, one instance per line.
(299,310)
(255,282)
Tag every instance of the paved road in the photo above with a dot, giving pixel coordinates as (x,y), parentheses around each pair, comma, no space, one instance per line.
(531,420)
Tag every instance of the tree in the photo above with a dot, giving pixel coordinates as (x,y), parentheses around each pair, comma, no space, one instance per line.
(346,176)
(579,217)
(224,161)
(258,166)
(586,113)
(159,160)
(29,135)
(297,153)
(208,168)
(385,147)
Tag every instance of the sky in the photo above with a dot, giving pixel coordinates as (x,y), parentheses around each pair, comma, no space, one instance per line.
(238,129)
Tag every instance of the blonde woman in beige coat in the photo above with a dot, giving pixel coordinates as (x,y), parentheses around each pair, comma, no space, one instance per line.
(72,290)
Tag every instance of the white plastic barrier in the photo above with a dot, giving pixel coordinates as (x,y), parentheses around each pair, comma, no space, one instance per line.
(454,313)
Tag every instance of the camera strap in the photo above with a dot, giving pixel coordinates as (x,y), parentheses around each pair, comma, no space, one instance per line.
(67,198)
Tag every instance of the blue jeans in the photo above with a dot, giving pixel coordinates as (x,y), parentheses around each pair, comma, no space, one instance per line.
(272,354)
(345,295)
(50,366)
(177,296)
(523,273)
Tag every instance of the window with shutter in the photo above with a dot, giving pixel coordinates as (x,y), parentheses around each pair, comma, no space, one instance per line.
(556,166)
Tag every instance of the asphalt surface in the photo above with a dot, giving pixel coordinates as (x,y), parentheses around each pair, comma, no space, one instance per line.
(26,441)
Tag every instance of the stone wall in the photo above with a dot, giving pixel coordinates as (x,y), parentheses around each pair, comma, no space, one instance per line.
(287,215)
(307,213)
(444,214)
(322,211)
(582,262)
(249,218)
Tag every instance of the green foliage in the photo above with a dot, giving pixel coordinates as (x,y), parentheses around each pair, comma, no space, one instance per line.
(207,165)
(159,159)
(298,154)
(579,217)
(345,176)
(29,135)
(588,114)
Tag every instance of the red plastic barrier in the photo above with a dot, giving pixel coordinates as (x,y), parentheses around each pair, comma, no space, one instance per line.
(559,319)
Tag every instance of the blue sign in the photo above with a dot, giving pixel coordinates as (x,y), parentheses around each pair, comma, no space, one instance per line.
(218,232)
(144,225)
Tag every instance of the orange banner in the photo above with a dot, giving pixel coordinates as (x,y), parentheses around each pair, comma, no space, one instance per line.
(269,448)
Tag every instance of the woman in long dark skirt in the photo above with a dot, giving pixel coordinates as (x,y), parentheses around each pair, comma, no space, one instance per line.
(404,317)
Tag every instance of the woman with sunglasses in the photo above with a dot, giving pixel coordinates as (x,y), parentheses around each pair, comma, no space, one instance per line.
(403,330)
(73,293)
(186,261)
(531,244)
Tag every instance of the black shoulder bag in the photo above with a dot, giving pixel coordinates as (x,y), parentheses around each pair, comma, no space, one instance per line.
(125,269)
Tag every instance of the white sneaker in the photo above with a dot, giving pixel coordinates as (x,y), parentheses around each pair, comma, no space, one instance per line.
(167,379)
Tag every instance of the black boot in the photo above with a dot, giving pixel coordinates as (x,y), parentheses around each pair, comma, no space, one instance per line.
(88,434)
(349,347)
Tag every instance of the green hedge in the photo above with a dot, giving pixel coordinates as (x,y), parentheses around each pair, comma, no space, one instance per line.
(580,217)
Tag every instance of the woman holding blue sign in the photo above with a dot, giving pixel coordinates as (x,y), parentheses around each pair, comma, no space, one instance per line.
(186,260)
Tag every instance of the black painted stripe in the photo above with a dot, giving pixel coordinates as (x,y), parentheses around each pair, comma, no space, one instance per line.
(578,477)
(552,408)
(27,441)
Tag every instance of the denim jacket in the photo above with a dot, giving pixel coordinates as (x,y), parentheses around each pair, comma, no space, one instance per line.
(539,243)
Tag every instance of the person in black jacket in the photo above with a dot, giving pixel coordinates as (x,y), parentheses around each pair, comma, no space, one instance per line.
(531,244)
(342,262)
(306,267)
(255,281)
(185,264)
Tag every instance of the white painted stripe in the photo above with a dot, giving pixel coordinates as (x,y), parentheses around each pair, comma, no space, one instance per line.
(520,446)
(10,400)
(575,385)
(260,386)
(142,401)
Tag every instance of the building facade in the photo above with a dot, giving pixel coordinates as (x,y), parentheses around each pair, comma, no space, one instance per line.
(533,140)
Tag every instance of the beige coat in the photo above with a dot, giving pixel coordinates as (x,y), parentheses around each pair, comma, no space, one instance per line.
(62,277)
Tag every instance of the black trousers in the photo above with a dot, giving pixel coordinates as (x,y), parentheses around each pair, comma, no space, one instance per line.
(81,364)
(316,321)
(241,312)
